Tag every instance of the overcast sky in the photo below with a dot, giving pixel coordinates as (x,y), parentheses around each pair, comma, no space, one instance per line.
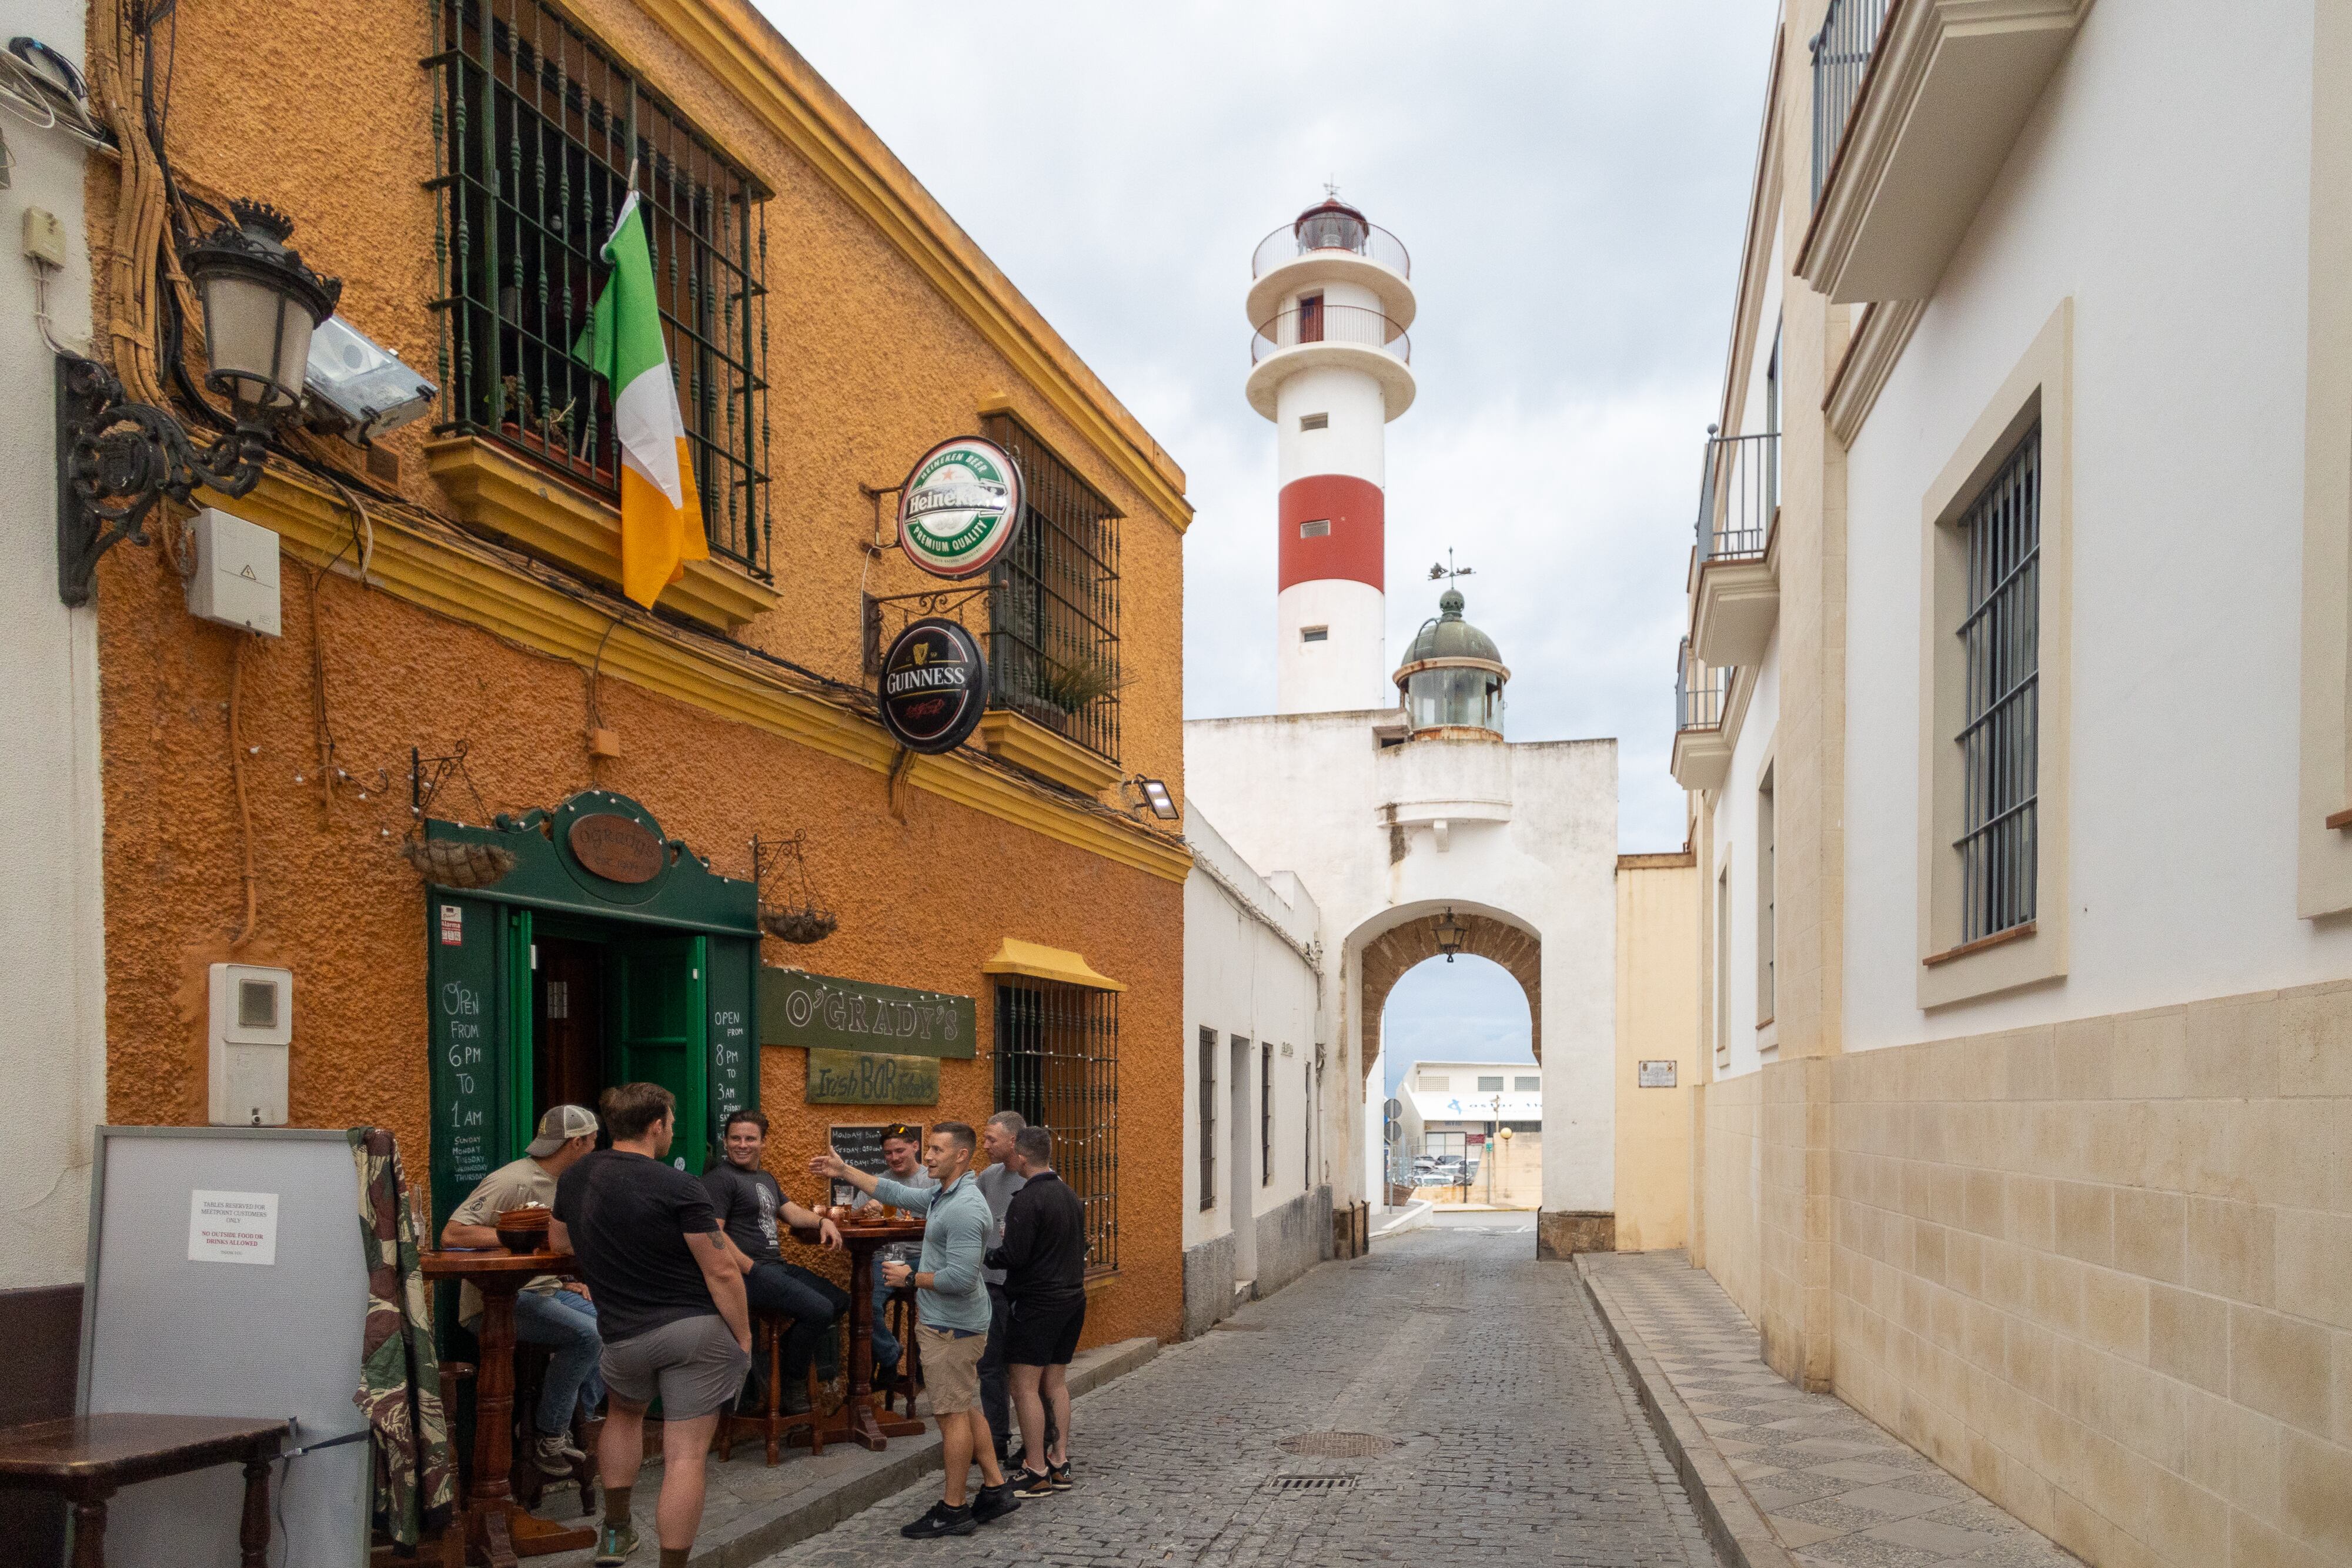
(1570,179)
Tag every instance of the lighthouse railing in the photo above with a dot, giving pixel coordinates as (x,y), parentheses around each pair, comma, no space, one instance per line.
(1358,326)
(1377,245)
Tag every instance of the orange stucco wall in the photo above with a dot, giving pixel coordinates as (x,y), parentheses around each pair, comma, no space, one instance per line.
(868,365)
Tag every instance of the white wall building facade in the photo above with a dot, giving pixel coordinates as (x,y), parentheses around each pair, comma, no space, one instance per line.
(50,923)
(2021,798)
(1262,1105)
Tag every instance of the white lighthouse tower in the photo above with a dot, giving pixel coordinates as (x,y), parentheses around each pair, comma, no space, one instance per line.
(1330,297)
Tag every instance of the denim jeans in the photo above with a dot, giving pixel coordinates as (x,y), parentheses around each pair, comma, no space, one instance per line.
(814,1302)
(565,1322)
(887,1350)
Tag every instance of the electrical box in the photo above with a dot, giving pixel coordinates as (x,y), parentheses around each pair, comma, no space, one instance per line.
(252,1035)
(234,580)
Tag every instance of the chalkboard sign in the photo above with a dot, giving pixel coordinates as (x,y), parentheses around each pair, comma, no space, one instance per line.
(469,1045)
(734,1064)
(860,1149)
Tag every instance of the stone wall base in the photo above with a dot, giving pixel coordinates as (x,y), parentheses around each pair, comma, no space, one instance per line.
(1562,1232)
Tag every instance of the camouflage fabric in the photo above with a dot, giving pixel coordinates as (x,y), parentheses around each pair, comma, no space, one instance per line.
(399,1377)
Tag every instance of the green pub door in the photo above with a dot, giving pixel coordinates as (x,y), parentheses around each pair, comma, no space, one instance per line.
(606,953)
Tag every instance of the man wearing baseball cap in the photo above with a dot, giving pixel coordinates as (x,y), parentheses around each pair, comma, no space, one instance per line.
(549,1311)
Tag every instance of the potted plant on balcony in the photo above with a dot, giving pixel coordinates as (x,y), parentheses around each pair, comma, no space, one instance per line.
(1059,690)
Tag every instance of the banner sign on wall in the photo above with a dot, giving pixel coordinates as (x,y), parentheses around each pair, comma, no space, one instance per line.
(872,1078)
(824,1012)
(934,686)
(959,508)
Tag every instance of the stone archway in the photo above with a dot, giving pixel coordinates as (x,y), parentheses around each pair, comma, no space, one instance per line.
(1387,957)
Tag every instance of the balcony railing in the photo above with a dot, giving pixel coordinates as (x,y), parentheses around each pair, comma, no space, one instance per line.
(1698,692)
(1371,241)
(1842,52)
(1357,325)
(1739,487)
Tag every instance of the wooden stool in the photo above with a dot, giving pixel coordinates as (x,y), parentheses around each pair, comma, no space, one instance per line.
(907,1377)
(772,1425)
(530,1482)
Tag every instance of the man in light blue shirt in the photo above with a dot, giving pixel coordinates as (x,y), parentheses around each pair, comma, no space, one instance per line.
(951,1304)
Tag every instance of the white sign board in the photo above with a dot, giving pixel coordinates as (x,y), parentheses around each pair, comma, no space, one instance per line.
(232,1227)
(1657,1075)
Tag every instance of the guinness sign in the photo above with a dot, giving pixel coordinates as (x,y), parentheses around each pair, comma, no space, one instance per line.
(959,508)
(934,686)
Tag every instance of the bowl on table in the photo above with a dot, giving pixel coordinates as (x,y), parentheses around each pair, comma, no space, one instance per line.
(523,1230)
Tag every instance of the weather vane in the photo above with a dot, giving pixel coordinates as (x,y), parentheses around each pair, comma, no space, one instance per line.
(1331,187)
(1447,569)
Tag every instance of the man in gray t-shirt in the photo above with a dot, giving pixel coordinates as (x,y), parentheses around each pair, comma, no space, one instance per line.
(998,1184)
(902,1156)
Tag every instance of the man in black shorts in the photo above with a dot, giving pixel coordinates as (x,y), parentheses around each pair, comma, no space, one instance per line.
(670,1305)
(751,1206)
(1044,1259)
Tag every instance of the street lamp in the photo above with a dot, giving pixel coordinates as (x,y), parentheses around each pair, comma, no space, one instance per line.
(117,458)
(1451,933)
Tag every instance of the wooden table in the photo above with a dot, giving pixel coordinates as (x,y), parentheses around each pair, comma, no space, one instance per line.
(494,1524)
(855,1421)
(87,1459)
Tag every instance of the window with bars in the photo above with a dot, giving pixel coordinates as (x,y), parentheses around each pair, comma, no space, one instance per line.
(1999,639)
(1052,600)
(1208,1118)
(1265,1115)
(1306,1135)
(1057,1064)
(536,132)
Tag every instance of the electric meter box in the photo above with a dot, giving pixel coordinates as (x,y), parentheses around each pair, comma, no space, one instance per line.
(235,577)
(252,1034)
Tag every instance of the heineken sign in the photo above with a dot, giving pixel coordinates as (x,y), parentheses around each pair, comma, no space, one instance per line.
(959,508)
(934,686)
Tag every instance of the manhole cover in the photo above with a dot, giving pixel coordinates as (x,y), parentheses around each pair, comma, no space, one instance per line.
(1337,1445)
(1311,1483)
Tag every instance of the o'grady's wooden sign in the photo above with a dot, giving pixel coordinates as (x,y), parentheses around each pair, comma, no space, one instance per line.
(824,1012)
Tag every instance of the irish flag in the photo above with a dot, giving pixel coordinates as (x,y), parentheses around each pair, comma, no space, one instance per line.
(661,516)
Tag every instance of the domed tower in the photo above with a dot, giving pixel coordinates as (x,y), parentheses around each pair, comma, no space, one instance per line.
(1330,365)
(1453,677)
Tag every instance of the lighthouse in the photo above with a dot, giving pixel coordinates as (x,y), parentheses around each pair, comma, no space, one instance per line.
(1331,296)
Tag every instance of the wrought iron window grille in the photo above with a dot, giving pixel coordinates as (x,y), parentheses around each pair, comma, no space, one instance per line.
(1208,1119)
(1999,739)
(1265,1112)
(1053,601)
(536,132)
(1057,1064)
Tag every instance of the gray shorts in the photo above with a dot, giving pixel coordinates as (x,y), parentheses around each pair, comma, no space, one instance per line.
(694,1365)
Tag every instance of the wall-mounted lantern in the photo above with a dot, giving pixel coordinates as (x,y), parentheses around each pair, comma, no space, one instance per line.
(1452,932)
(117,458)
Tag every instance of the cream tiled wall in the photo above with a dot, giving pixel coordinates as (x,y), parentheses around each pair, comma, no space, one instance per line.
(2102,1270)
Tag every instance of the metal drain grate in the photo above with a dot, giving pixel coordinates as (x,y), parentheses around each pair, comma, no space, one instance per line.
(1337,1445)
(1311,1483)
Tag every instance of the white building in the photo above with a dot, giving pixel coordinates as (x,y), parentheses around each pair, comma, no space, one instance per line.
(53,1043)
(2014,725)
(1260,1100)
(1390,794)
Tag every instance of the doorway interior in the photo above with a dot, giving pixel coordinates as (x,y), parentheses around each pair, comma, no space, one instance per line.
(615,1003)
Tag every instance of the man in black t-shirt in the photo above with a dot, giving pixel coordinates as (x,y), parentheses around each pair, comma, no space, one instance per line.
(670,1306)
(1044,1255)
(748,1203)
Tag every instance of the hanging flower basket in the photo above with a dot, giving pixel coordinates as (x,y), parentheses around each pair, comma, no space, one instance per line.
(452,862)
(798,925)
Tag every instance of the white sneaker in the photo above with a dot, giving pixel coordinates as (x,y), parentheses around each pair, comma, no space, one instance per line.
(554,1454)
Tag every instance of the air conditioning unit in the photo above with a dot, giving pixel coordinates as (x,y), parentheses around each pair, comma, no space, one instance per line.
(252,1035)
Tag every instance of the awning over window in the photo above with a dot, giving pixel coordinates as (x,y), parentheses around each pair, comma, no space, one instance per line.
(1015,957)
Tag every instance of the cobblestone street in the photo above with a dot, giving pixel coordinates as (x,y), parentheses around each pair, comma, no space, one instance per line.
(1510,1436)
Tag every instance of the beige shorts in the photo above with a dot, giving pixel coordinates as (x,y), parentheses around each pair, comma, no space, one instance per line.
(693,1365)
(951,1368)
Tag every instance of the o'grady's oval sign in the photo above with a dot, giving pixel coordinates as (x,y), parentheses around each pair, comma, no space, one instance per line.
(959,508)
(934,686)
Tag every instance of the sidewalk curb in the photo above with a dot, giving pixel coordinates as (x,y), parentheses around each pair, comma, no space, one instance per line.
(1732,1522)
(753,1540)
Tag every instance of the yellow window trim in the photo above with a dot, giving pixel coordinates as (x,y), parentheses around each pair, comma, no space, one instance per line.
(745,53)
(441,569)
(1039,962)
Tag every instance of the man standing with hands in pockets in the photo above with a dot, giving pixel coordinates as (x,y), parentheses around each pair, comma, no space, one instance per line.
(951,1307)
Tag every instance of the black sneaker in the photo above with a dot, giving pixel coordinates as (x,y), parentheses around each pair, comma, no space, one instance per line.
(1061,1474)
(994,1502)
(1033,1483)
(940,1520)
